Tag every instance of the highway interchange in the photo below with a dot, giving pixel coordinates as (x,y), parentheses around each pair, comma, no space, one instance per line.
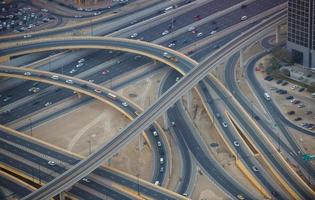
(130,62)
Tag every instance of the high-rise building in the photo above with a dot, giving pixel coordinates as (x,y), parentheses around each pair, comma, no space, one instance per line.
(301,31)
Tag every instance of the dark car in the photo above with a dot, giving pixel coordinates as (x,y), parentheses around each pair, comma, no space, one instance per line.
(298,119)
(291,112)
(297,102)
(289,97)
(309,112)
(279,81)
(301,89)
(285,83)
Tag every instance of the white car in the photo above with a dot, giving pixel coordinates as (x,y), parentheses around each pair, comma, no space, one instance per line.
(155,134)
(86,180)
(44,10)
(171,45)
(243,17)
(51,163)
(165,32)
(157,183)
(134,35)
(48,103)
(69,81)
(177,79)
(27,36)
(254,168)
(224,124)
(236,143)
(159,143)
(97,90)
(55,77)
(81,60)
(91,81)
(72,71)
(199,34)
(213,32)
(124,104)
(79,65)
(27,73)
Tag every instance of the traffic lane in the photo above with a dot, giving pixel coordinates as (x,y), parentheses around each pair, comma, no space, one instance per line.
(110,19)
(223,22)
(241,153)
(19,91)
(259,142)
(105,173)
(184,152)
(208,163)
(187,18)
(57,168)
(16,189)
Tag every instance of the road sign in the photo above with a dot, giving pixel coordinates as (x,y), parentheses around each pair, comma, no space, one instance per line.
(308,157)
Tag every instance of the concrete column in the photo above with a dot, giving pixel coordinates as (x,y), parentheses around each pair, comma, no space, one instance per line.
(277,34)
(189,101)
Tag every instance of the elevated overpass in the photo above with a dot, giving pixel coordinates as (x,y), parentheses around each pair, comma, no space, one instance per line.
(144,120)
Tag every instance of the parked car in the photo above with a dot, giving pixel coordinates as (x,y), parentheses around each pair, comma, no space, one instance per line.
(301,89)
(298,119)
(279,81)
(291,112)
(289,97)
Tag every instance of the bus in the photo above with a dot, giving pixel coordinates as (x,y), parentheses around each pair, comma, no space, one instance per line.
(112,96)
(267,96)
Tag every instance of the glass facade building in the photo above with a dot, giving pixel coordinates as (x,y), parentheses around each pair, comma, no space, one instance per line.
(301,32)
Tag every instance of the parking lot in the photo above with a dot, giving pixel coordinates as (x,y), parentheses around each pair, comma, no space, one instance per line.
(294,101)
(18,18)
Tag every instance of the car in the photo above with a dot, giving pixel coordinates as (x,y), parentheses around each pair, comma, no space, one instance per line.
(97,13)
(97,91)
(72,71)
(289,97)
(161,160)
(274,193)
(44,10)
(81,60)
(134,35)
(185,194)
(27,73)
(55,77)
(155,134)
(298,119)
(199,34)
(291,112)
(159,143)
(308,112)
(285,83)
(191,28)
(27,36)
(254,168)
(125,104)
(240,196)
(224,124)
(293,100)
(91,80)
(236,143)
(173,123)
(7,98)
(33,89)
(293,87)
(165,32)
(301,89)
(279,81)
(79,65)
(297,102)
(69,81)
(301,106)
(86,180)
(171,45)
(48,103)
(162,169)
(243,18)
(51,163)
(137,57)
(213,32)
(157,183)
(105,72)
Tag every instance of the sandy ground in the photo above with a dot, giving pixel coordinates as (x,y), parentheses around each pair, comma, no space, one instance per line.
(210,135)
(205,189)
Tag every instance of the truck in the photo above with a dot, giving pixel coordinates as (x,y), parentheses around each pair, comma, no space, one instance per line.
(112,96)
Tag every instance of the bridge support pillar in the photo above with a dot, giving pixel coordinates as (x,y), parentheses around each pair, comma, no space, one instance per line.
(189,100)
(278,27)
(4,59)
